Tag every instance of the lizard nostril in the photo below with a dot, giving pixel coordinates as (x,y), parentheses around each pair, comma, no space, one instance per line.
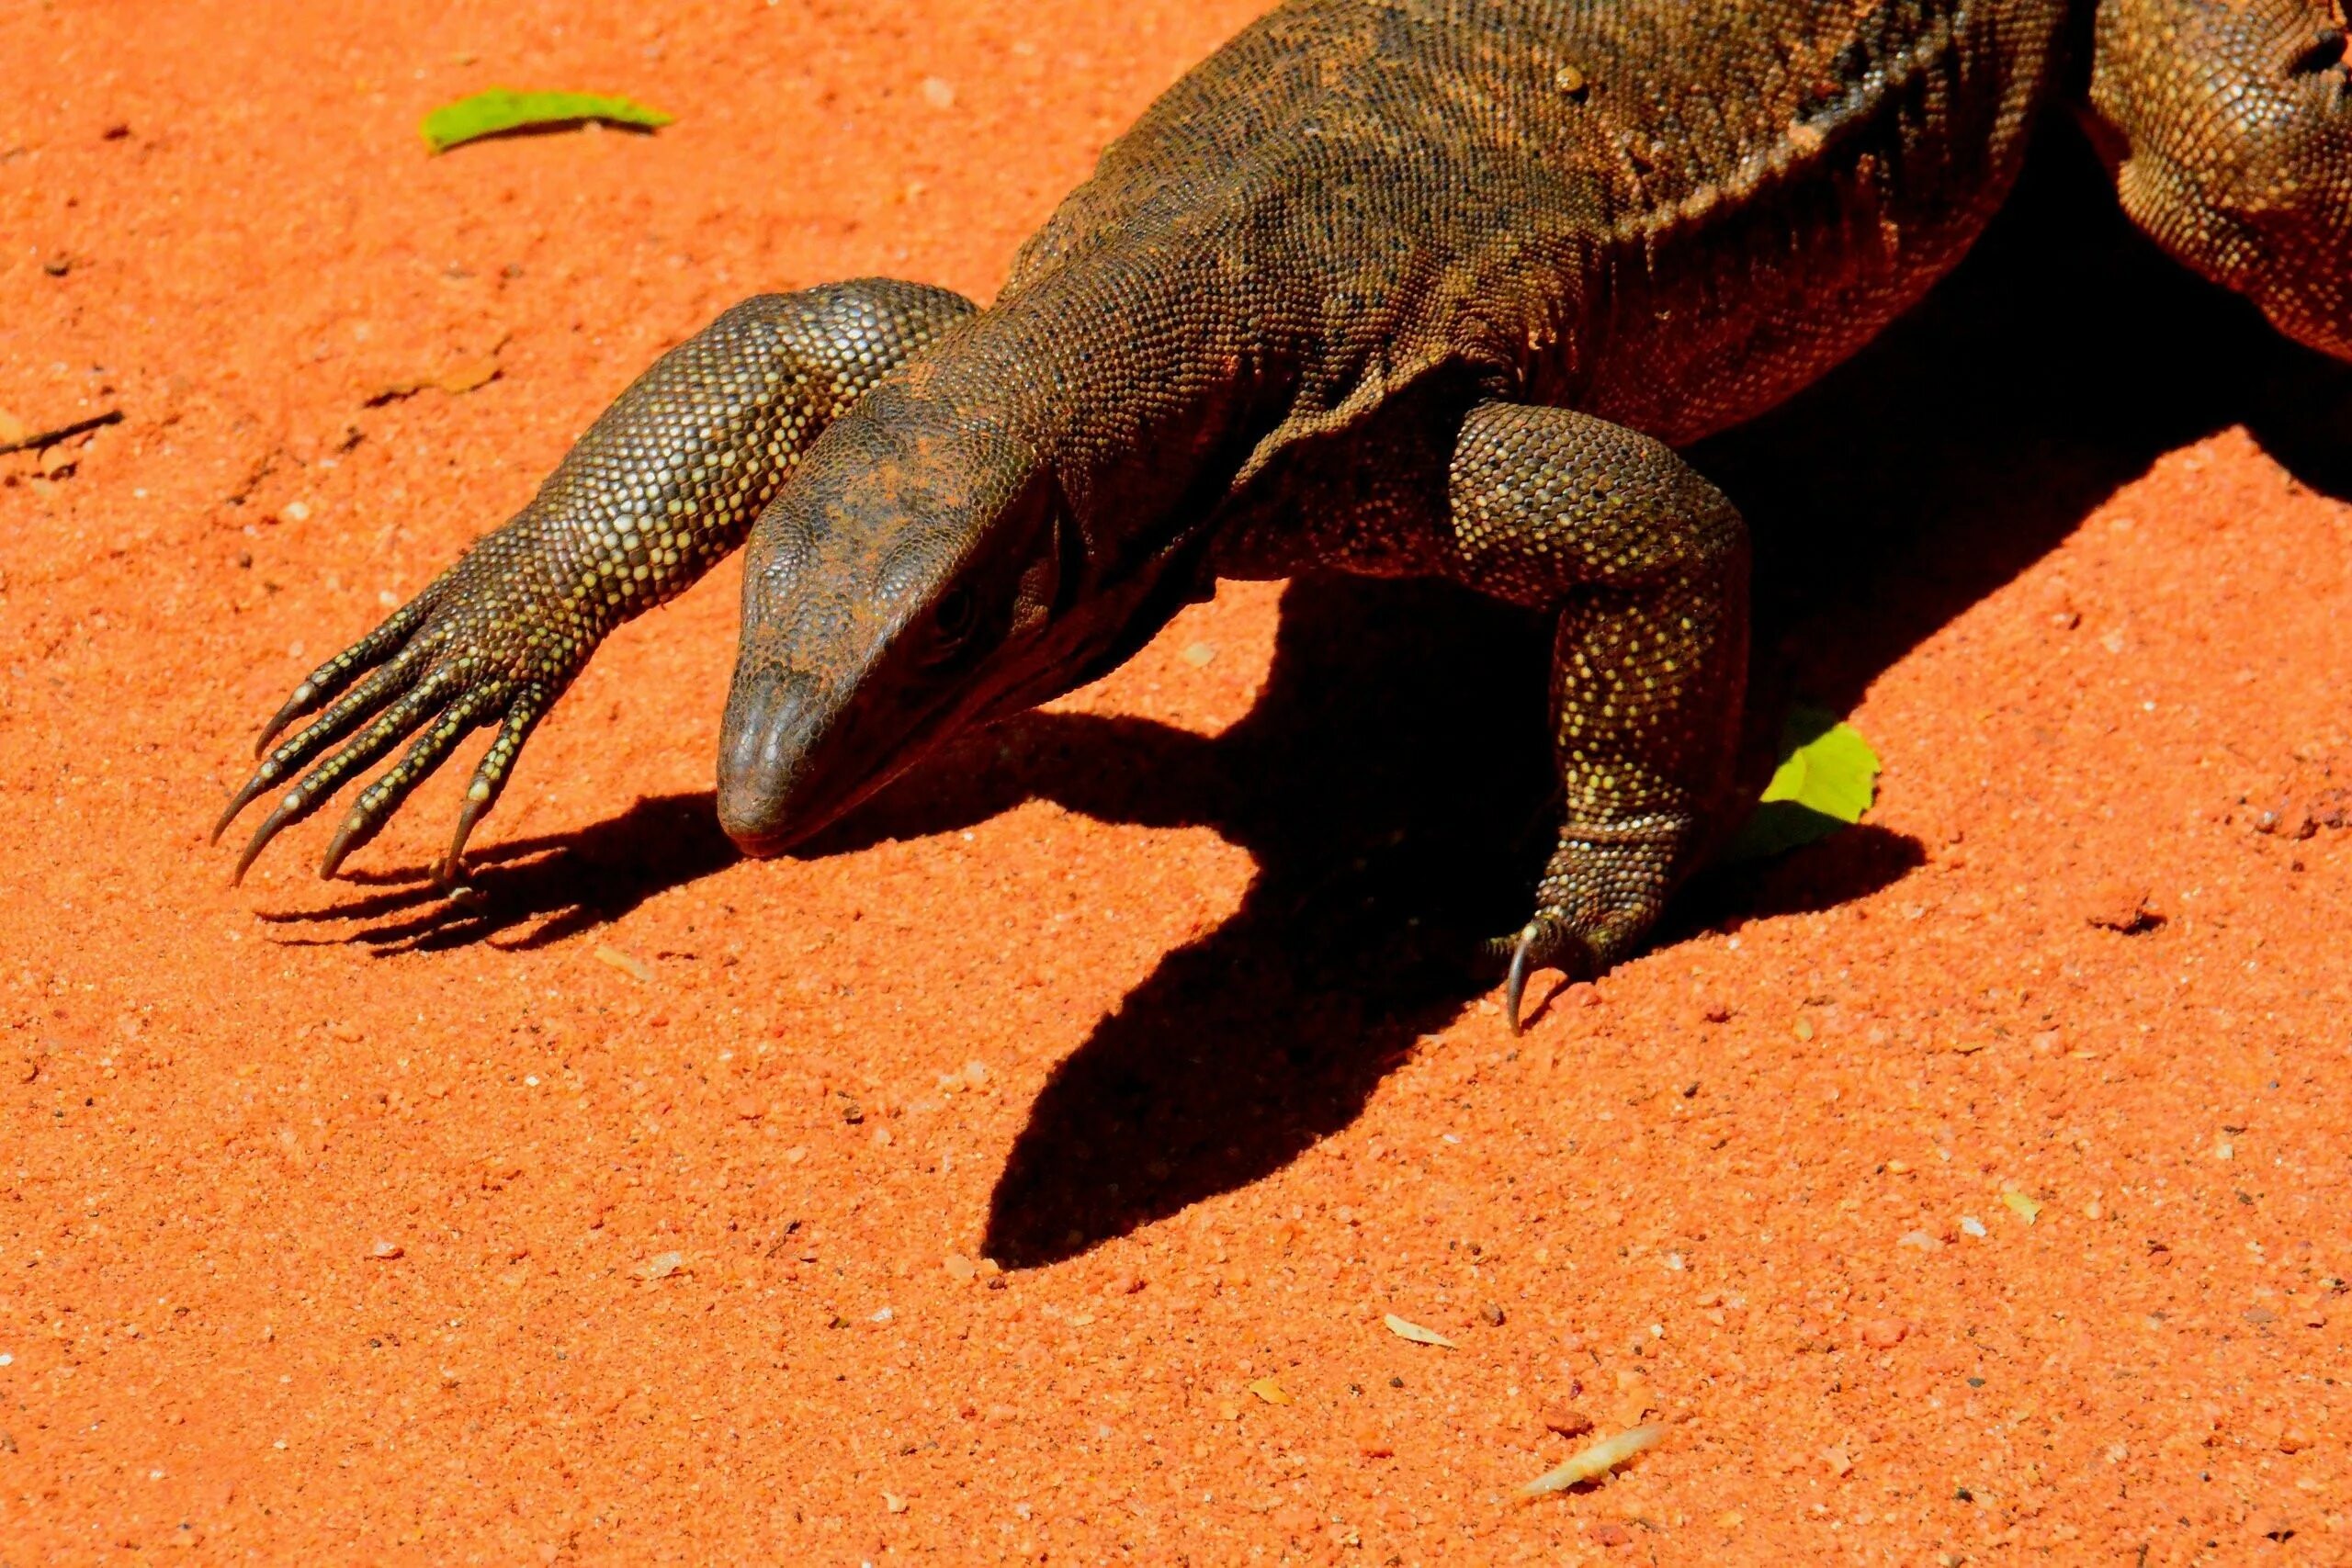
(764,738)
(2324,52)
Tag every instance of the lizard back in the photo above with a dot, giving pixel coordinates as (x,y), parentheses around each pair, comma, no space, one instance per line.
(1668,214)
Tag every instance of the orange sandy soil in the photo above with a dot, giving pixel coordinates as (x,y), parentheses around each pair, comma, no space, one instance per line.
(1079,1085)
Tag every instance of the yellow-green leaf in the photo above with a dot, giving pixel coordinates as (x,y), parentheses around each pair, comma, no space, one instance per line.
(2020,1206)
(1827,778)
(1416,1333)
(1270,1390)
(1597,1460)
(503,109)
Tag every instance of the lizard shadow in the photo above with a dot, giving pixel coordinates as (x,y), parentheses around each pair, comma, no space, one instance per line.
(2055,366)
(2058,364)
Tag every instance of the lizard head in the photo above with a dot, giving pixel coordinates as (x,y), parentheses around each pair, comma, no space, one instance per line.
(915,579)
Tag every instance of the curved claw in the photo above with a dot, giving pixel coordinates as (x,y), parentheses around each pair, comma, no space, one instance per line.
(305,797)
(1515,986)
(368,653)
(381,799)
(238,802)
(305,697)
(285,811)
(348,712)
(490,779)
(451,871)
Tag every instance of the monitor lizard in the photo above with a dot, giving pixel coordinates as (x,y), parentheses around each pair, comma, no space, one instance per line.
(1389,287)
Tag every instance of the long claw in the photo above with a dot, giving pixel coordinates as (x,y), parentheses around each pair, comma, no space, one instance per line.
(237,803)
(344,668)
(287,811)
(1515,988)
(381,798)
(452,870)
(489,778)
(348,838)
(322,781)
(305,697)
(347,712)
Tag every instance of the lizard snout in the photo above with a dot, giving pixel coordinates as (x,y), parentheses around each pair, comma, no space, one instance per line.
(771,718)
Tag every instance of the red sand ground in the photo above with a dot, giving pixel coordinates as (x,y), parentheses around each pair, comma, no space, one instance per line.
(320,1242)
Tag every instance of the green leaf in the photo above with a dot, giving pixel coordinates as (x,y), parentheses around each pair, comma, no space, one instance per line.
(1826,779)
(503,109)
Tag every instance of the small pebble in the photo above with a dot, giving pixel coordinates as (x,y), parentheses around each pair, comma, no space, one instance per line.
(1492,1314)
(2122,905)
(1971,1224)
(1566,1420)
(384,1251)
(1884,1333)
(960,1267)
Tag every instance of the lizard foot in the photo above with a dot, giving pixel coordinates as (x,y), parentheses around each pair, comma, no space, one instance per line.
(476,647)
(1602,892)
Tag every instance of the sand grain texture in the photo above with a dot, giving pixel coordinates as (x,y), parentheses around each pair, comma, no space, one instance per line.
(944,1192)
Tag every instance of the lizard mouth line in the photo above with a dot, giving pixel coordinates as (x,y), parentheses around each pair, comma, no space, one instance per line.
(770,810)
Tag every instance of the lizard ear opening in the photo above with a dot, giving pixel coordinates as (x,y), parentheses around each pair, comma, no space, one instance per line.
(1054,578)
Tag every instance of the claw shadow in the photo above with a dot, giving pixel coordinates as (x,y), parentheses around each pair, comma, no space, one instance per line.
(1393,781)
(557,885)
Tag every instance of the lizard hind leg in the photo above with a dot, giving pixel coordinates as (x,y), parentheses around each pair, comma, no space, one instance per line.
(1645,564)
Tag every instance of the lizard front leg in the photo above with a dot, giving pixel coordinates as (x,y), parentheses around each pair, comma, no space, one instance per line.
(1645,564)
(664,485)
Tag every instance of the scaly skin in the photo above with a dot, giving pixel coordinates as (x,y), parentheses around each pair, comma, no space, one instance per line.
(1395,286)
(2230,126)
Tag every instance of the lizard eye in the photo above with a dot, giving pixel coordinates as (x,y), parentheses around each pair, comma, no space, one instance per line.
(954,618)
